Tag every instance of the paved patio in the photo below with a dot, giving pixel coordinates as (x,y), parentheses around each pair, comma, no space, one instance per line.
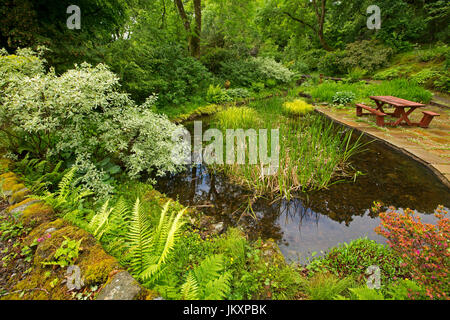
(431,146)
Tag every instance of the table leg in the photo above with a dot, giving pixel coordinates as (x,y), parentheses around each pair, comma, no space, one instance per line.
(404,116)
(380,106)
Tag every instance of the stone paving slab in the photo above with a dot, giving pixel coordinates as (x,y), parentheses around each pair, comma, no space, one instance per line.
(431,146)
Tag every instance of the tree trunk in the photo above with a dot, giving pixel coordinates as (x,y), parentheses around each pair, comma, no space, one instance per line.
(194,35)
(320,14)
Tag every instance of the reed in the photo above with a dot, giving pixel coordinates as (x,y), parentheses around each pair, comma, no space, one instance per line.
(313,153)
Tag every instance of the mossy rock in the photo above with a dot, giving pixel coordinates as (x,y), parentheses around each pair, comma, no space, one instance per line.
(9,184)
(22,204)
(19,196)
(37,214)
(5,164)
(94,263)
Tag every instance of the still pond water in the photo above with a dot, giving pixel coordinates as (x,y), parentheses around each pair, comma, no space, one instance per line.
(316,221)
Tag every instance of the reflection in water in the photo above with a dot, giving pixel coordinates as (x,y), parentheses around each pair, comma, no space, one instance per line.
(316,221)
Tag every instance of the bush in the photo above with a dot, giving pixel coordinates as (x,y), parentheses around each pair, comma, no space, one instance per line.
(343,97)
(297,107)
(367,55)
(81,118)
(216,94)
(238,93)
(331,63)
(356,75)
(393,73)
(213,58)
(437,54)
(269,69)
(353,259)
(258,86)
(247,71)
(164,70)
(312,58)
(424,248)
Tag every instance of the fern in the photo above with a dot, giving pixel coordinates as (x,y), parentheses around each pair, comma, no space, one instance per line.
(190,290)
(207,282)
(67,197)
(99,222)
(362,293)
(150,248)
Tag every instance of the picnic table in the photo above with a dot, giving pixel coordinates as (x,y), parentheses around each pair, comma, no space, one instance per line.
(403,109)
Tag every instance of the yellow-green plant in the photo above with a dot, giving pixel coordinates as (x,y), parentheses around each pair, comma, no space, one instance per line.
(297,107)
(236,118)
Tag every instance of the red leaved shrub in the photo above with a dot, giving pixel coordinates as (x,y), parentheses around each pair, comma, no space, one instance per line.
(423,247)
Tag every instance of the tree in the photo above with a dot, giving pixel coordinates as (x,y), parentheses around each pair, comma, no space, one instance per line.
(319,9)
(192,27)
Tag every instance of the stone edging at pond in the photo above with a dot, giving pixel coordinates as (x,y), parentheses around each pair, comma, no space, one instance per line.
(440,169)
(30,279)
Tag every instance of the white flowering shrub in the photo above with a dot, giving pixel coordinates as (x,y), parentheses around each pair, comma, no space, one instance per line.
(82,118)
(271,69)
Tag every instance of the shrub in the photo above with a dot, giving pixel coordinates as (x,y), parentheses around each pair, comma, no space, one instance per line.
(424,248)
(312,58)
(238,93)
(438,54)
(216,94)
(331,63)
(343,97)
(297,107)
(165,70)
(241,72)
(393,73)
(80,117)
(213,58)
(244,72)
(367,55)
(258,86)
(424,76)
(442,81)
(356,74)
(354,258)
(268,68)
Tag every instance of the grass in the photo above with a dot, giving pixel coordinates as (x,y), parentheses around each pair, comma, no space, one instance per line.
(313,153)
(236,118)
(401,88)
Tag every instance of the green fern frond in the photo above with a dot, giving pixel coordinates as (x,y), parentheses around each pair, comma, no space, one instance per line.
(219,288)
(168,237)
(139,239)
(99,222)
(65,184)
(209,269)
(190,289)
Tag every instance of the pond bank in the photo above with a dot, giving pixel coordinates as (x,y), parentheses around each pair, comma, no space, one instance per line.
(427,146)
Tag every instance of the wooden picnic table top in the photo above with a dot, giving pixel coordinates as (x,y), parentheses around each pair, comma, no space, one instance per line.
(397,102)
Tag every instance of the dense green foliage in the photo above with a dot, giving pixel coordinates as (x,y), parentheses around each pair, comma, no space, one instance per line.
(85,113)
(80,118)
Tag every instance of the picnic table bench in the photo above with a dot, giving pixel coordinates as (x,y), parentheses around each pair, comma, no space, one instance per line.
(400,112)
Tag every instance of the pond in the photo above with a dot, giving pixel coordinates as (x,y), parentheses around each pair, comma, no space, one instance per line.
(317,221)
